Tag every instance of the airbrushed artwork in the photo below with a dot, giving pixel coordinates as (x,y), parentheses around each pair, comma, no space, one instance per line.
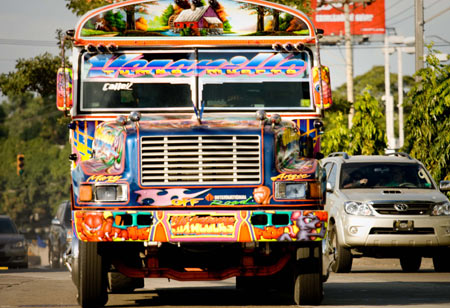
(195,132)
(143,66)
(183,18)
(240,226)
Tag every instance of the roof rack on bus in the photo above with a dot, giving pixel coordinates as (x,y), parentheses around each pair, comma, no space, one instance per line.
(402,154)
(343,154)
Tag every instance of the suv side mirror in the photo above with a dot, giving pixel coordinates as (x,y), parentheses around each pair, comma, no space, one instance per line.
(444,185)
(56,222)
(329,187)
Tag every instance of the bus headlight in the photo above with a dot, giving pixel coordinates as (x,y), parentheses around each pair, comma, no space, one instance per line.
(290,190)
(104,192)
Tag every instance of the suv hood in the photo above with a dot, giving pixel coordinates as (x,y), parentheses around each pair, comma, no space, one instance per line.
(11,238)
(394,194)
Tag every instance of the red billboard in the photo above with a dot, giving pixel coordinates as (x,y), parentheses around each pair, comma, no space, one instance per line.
(364,19)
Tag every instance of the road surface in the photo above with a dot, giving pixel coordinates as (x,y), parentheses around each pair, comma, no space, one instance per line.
(372,283)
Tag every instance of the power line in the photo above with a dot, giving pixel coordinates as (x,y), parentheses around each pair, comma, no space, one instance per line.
(411,15)
(394,5)
(401,20)
(19,42)
(432,4)
(368,47)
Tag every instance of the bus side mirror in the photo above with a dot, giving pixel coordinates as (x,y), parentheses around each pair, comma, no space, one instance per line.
(326,87)
(64,83)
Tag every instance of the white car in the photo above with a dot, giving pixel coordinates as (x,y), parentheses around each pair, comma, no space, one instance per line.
(385,207)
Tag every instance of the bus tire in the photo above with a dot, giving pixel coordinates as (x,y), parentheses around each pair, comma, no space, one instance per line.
(92,285)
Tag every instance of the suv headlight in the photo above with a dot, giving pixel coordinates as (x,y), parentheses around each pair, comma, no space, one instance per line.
(69,235)
(441,209)
(19,244)
(358,208)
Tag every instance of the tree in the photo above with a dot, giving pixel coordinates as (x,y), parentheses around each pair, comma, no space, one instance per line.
(39,131)
(36,74)
(367,136)
(80,7)
(302,5)
(31,125)
(337,137)
(260,11)
(428,124)
(168,12)
(374,78)
(115,21)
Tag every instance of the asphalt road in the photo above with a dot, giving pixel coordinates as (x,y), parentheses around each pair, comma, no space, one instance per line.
(372,283)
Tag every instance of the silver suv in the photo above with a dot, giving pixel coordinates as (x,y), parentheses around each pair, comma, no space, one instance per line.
(385,207)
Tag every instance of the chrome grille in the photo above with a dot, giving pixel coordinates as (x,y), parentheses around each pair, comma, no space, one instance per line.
(413,208)
(202,159)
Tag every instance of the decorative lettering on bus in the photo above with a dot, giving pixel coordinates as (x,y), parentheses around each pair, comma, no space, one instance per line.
(203,225)
(290,177)
(104,178)
(134,65)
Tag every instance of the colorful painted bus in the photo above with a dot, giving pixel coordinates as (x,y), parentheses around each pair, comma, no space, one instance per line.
(195,136)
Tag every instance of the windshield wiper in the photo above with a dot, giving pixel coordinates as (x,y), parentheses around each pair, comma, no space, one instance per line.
(199,114)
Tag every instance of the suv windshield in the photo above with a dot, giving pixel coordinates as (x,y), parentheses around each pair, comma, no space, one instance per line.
(7,226)
(384,175)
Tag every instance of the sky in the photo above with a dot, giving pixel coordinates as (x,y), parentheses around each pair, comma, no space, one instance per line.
(28,29)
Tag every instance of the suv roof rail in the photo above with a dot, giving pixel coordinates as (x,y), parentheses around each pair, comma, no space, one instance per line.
(403,154)
(343,154)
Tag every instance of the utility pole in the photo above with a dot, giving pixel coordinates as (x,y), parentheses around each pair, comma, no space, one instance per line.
(401,134)
(349,62)
(388,97)
(419,33)
(348,46)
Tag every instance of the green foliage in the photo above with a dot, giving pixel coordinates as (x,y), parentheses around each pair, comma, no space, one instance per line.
(186,32)
(302,5)
(166,15)
(367,136)
(285,22)
(155,23)
(375,78)
(226,26)
(31,125)
(428,126)
(80,7)
(36,74)
(115,20)
(337,137)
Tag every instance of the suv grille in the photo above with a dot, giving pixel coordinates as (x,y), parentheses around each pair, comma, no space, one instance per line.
(202,159)
(412,208)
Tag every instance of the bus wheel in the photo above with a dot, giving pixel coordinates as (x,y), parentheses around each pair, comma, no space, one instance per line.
(92,288)
(308,283)
(119,283)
